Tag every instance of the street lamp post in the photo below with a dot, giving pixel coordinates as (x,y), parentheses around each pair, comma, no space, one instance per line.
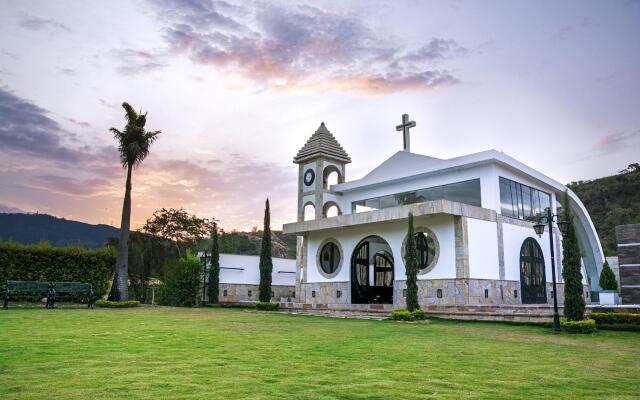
(539,228)
(204,259)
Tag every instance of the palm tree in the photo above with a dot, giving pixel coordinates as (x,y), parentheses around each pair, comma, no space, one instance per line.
(133,143)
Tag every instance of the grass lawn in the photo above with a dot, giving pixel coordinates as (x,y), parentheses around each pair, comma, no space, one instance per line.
(157,352)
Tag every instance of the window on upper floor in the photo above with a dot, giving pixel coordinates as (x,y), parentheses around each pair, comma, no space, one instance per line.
(522,201)
(467,192)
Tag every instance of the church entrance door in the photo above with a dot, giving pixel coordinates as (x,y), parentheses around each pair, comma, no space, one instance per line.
(372,272)
(532,276)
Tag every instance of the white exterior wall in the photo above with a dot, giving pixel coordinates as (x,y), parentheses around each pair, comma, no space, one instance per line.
(394,233)
(513,238)
(250,275)
(483,249)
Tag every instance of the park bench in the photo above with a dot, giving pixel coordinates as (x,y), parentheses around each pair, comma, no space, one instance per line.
(50,290)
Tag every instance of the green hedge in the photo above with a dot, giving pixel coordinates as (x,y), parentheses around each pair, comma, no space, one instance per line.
(611,318)
(583,326)
(117,304)
(267,306)
(182,283)
(42,262)
(406,315)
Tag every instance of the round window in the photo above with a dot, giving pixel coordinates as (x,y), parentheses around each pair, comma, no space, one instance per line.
(427,249)
(329,258)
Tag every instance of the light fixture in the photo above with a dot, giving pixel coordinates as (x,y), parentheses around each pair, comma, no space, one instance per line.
(539,228)
(563,226)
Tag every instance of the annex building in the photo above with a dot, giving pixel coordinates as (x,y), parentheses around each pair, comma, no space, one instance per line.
(473,215)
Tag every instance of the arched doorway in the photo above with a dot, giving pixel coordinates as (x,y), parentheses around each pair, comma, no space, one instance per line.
(372,272)
(532,277)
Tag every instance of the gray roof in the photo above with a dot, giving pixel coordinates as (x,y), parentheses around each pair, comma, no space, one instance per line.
(322,143)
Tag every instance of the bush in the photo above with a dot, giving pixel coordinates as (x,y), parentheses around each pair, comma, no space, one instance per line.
(612,318)
(43,262)
(608,278)
(583,326)
(182,283)
(406,315)
(267,306)
(117,304)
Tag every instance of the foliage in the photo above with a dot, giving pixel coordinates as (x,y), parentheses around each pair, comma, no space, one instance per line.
(179,226)
(611,201)
(134,143)
(214,269)
(574,304)
(616,318)
(266,263)
(42,262)
(406,315)
(117,304)
(267,305)
(411,265)
(608,278)
(173,353)
(580,326)
(182,281)
(60,232)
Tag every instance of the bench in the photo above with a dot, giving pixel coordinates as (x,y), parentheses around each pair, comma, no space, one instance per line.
(50,290)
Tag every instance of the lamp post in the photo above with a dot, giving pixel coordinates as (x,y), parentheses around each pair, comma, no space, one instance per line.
(539,228)
(204,259)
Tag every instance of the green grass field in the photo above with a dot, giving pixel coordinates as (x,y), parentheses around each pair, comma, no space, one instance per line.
(157,352)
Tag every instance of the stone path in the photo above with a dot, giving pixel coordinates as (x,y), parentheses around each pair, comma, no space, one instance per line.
(339,314)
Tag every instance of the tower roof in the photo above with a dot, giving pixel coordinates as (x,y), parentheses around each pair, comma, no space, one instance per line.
(322,143)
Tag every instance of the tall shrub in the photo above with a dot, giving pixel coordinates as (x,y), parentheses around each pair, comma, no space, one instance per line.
(608,278)
(42,262)
(266,263)
(214,270)
(411,266)
(181,285)
(573,301)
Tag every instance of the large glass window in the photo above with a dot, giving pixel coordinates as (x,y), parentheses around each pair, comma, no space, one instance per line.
(522,201)
(467,192)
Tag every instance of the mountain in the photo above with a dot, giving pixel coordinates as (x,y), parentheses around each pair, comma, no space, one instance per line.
(612,200)
(34,228)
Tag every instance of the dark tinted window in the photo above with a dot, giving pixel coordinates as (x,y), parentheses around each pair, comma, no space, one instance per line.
(329,258)
(522,201)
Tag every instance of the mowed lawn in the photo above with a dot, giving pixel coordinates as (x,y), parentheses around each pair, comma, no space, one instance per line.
(158,352)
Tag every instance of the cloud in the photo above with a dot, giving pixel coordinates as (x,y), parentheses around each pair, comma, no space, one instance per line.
(38,24)
(301,47)
(5,209)
(81,124)
(26,128)
(134,62)
(617,141)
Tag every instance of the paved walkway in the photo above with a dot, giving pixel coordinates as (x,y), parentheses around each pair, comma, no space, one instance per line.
(339,314)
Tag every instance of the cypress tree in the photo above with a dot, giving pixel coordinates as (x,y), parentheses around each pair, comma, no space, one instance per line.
(411,267)
(266,263)
(573,301)
(608,278)
(214,270)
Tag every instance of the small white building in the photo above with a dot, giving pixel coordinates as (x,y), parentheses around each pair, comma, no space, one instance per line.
(473,216)
(240,278)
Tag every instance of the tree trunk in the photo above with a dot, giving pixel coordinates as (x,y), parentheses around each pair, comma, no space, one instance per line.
(122,260)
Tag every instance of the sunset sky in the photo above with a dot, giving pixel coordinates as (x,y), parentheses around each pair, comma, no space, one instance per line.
(237,89)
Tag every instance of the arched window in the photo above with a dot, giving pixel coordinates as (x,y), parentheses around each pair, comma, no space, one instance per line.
(331,176)
(532,274)
(331,209)
(309,212)
(427,249)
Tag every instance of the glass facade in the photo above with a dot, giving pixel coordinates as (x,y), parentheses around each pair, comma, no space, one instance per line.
(467,192)
(522,201)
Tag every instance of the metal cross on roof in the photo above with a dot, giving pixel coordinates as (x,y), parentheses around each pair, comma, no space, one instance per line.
(404,127)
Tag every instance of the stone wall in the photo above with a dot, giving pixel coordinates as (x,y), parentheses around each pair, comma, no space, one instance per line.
(239,293)
(628,238)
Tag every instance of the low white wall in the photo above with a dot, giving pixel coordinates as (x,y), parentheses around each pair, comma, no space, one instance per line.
(284,270)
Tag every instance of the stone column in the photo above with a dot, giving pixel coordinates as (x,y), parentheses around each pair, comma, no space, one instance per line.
(461,232)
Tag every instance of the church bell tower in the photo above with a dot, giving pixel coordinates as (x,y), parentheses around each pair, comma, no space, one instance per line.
(317,159)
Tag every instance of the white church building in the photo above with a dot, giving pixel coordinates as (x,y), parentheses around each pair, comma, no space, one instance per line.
(473,215)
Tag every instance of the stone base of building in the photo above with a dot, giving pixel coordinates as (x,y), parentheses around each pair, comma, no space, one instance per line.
(237,293)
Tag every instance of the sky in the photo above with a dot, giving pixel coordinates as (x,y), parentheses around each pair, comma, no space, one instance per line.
(238,88)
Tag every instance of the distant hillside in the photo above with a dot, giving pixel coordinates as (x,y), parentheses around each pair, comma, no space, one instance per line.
(34,228)
(613,200)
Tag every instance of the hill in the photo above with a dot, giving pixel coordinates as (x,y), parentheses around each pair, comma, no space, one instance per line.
(612,200)
(34,228)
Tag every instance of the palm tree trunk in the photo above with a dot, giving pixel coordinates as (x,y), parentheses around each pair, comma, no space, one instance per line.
(122,260)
